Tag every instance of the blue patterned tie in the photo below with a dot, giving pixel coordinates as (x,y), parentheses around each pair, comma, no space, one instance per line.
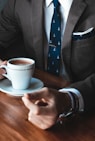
(54,54)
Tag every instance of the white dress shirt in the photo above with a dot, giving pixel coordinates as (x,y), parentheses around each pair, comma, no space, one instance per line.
(65,6)
(49,9)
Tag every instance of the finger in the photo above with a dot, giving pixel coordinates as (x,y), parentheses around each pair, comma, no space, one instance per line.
(3,62)
(1,77)
(36,108)
(39,122)
(42,121)
(42,93)
(30,105)
(2,71)
(41,102)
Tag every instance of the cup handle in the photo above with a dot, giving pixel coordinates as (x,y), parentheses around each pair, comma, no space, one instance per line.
(5,74)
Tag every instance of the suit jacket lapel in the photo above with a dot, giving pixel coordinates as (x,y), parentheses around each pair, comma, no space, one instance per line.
(37,9)
(77,8)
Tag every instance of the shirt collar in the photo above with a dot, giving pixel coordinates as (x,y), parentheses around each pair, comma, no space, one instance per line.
(48,2)
(62,2)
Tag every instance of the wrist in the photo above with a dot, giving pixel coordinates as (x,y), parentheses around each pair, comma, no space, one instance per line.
(71,106)
(65,103)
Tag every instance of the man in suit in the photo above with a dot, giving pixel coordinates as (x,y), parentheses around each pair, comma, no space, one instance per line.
(30,21)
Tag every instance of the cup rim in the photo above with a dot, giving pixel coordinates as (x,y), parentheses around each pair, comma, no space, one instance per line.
(26,66)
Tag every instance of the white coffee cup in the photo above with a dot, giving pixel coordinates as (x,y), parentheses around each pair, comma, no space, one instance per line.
(19,71)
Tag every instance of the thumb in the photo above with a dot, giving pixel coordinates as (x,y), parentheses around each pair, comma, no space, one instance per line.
(30,105)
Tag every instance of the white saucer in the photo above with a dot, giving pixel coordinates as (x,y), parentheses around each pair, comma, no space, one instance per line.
(6,87)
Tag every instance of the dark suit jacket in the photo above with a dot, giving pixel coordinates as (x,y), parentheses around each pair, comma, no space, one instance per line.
(24,19)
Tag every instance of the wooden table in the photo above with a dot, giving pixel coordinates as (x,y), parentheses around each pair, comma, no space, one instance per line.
(14,125)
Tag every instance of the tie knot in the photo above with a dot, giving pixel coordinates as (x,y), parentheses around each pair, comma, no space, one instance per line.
(55,2)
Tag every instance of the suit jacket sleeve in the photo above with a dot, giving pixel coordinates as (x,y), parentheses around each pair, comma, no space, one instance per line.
(87,89)
(8,26)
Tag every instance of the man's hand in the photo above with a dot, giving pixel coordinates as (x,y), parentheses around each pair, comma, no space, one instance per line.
(45,105)
(2,71)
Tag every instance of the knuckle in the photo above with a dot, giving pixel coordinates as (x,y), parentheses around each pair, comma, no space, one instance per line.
(37,111)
